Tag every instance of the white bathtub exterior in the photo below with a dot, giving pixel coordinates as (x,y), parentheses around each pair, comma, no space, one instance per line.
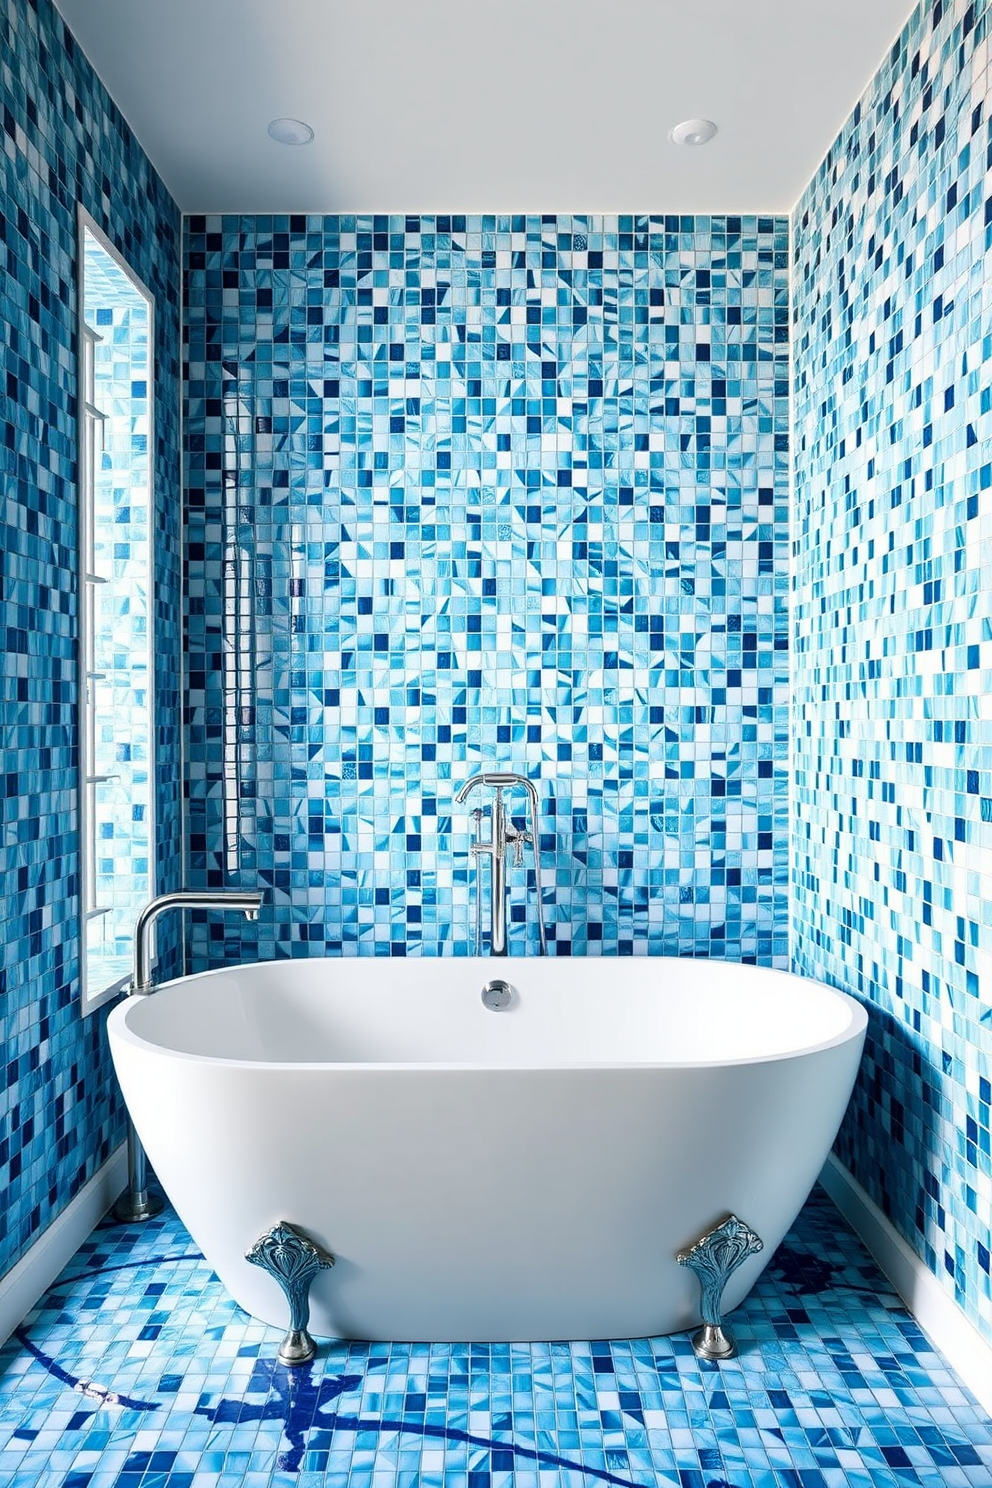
(529,1174)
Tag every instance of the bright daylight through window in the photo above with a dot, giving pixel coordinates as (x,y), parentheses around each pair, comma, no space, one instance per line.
(116,610)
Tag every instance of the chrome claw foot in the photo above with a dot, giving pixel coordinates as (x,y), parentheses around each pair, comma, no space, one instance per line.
(710,1342)
(714,1258)
(293,1261)
(296,1348)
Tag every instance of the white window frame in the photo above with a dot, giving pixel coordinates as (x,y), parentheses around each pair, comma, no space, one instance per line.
(90,420)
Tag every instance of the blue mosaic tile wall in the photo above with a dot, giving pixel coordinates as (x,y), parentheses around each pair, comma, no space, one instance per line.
(892,842)
(489,491)
(63,141)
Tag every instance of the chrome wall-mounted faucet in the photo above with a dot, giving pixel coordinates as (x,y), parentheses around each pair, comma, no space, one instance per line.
(138,1202)
(248,901)
(503,837)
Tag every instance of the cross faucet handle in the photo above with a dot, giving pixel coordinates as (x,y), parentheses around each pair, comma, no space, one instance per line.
(518,839)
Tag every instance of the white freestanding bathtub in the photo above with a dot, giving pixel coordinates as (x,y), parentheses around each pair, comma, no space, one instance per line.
(525,1174)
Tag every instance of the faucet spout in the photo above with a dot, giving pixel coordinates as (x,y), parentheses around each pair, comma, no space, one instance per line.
(248,901)
(498,780)
(138,1202)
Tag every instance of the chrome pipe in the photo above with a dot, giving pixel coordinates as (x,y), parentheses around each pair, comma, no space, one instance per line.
(501,779)
(500,834)
(477,816)
(248,901)
(495,851)
(497,934)
(138,1202)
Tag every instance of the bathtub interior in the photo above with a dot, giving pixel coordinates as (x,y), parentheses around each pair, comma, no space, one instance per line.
(348,1011)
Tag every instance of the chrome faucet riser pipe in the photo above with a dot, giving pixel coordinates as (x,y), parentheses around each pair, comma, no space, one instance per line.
(247,901)
(497,936)
(477,816)
(138,1202)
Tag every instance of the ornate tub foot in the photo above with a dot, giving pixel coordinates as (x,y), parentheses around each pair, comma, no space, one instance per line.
(294,1261)
(713,1258)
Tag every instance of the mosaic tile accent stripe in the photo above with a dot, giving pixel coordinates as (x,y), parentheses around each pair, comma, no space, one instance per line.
(480,491)
(892,624)
(63,140)
(137,1371)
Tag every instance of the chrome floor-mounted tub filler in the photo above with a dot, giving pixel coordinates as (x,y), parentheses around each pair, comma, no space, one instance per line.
(505,840)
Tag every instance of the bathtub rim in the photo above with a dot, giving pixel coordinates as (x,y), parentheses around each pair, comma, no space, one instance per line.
(118,1025)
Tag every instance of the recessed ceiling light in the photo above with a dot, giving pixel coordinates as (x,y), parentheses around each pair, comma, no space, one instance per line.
(693,132)
(290,131)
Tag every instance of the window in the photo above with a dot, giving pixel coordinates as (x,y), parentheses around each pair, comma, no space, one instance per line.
(116,593)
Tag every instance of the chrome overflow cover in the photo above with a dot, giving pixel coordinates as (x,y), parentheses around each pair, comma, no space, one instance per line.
(497,995)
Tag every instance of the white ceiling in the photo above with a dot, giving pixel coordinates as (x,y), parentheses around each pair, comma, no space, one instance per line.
(465,106)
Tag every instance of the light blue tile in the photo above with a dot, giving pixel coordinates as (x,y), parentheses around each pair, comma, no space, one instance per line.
(892,614)
(469,490)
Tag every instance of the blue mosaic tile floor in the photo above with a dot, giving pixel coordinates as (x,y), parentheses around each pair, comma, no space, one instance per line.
(137,1371)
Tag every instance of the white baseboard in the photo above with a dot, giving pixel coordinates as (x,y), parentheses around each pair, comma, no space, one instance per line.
(35,1272)
(938,1314)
